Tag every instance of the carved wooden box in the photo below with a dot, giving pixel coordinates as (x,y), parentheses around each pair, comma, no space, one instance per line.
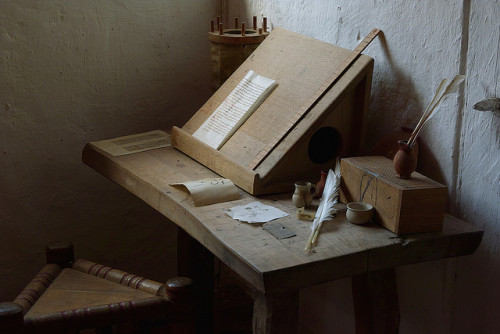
(402,206)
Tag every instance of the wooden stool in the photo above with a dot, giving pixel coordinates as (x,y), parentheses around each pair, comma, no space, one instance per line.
(67,296)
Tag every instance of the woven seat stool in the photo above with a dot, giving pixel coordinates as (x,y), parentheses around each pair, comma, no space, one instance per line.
(67,296)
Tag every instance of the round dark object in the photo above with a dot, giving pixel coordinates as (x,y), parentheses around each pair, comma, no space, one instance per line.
(324,145)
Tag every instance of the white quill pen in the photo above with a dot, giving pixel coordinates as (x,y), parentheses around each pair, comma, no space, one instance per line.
(326,211)
(446,87)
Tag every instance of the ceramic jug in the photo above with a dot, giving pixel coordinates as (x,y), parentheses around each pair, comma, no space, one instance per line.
(405,160)
(302,197)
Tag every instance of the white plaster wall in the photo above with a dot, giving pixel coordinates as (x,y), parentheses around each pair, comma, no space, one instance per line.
(423,42)
(76,71)
(478,186)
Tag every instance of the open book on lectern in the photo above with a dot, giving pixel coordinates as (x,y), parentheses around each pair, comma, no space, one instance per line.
(235,109)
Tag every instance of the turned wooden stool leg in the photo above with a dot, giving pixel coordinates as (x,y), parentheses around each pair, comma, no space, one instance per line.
(194,260)
(60,253)
(11,318)
(376,306)
(180,291)
(276,313)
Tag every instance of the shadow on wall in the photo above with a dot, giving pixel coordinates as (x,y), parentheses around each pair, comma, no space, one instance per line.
(387,108)
(430,163)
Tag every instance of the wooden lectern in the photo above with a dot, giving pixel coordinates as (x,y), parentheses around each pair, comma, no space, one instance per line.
(279,144)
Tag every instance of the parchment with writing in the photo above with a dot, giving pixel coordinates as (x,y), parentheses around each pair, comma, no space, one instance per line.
(235,109)
(255,212)
(134,143)
(211,190)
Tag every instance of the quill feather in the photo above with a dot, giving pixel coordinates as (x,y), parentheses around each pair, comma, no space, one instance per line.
(446,88)
(439,92)
(326,210)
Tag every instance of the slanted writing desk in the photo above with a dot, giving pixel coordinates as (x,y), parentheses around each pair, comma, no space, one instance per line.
(277,269)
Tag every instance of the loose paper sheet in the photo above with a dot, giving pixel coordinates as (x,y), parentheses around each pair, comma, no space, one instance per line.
(134,143)
(235,109)
(255,212)
(211,190)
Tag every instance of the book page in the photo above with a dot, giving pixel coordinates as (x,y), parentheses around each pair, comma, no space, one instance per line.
(235,109)
(134,143)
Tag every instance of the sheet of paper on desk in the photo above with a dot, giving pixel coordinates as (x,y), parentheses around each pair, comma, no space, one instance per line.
(211,190)
(255,212)
(134,143)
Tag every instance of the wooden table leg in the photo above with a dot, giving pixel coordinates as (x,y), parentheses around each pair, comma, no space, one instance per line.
(276,313)
(376,305)
(196,262)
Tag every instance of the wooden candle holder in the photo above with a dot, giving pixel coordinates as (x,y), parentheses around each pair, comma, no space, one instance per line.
(230,47)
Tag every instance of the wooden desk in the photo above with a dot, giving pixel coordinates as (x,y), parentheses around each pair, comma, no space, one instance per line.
(277,269)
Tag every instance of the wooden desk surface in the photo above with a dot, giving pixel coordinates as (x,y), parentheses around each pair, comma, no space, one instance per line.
(269,264)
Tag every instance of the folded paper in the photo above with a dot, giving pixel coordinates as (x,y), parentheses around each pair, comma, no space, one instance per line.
(211,190)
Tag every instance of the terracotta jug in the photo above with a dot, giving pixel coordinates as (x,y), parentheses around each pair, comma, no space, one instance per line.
(321,183)
(405,160)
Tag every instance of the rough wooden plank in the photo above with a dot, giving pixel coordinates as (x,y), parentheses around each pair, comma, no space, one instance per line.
(242,176)
(299,64)
(266,263)
(148,178)
(342,108)
(281,130)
